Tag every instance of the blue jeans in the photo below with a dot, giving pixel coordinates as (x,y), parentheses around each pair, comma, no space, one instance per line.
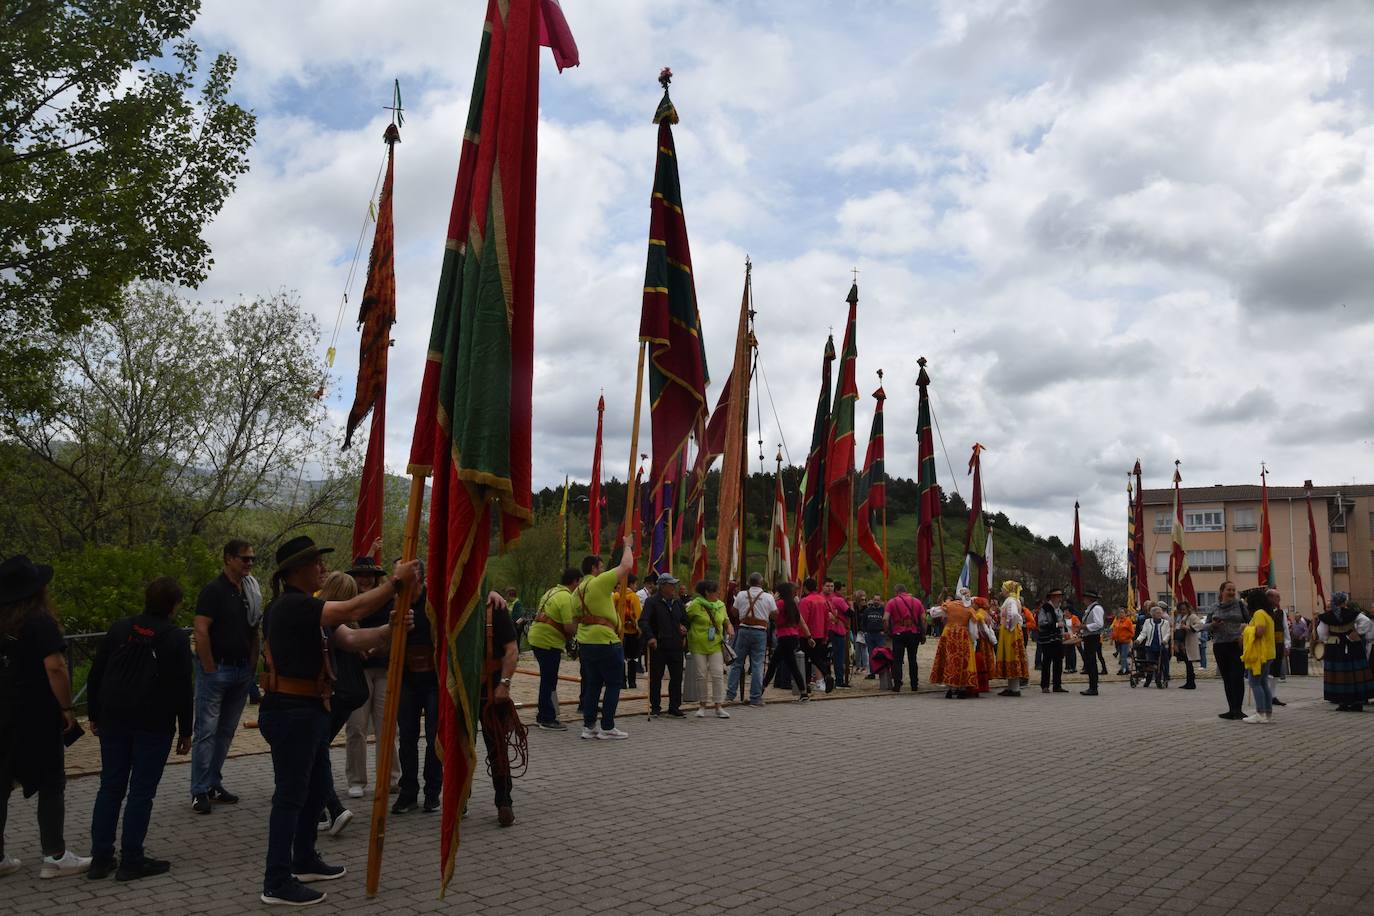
(838,658)
(1262,689)
(750,643)
(1123,652)
(548,683)
(1202,650)
(130,762)
(603,668)
(220,698)
(299,739)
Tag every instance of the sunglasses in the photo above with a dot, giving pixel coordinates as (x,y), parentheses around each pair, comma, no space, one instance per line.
(248,559)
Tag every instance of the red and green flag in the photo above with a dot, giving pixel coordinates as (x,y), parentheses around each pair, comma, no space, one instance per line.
(1142,560)
(1133,597)
(669,322)
(472,430)
(976,535)
(376,315)
(1267,579)
(1076,561)
(812,548)
(1314,563)
(873,486)
(595,498)
(1180,575)
(928,489)
(839,459)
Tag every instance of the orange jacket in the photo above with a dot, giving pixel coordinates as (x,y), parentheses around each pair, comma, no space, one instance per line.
(1123,629)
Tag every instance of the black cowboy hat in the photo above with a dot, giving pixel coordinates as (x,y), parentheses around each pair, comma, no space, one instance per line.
(298,550)
(21,578)
(365,566)
(1055,590)
(1092,593)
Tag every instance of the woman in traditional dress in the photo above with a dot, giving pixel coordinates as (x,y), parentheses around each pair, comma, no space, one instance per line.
(985,644)
(1011,648)
(1346,677)
(954,662)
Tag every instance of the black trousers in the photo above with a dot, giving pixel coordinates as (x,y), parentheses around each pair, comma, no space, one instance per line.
(671,660)
(1051,657)
(784,658)
(1232,673)
(499,763)
(904,643)
(419,696)
(1092,645)
(818,656)
(632,653)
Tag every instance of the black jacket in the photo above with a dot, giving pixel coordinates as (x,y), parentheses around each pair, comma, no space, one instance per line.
(660,620)
(174,685)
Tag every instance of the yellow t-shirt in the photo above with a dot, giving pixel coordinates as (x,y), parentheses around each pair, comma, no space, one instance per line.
(594,594)
(628,606)
(557,604)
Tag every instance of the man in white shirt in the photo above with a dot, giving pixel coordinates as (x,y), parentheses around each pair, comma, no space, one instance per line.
(755,608)
(1094,619)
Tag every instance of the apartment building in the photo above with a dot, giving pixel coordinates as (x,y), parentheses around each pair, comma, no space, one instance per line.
(1221,533)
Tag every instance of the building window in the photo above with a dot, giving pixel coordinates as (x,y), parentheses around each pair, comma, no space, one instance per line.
(1204,520)
(1247,560)
(1162,562)
(1207,600)
(1207,559)
(1371,524)
(1164,521)
(1243,519)
(1340,560)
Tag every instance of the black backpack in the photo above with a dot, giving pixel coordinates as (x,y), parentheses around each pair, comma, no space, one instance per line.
(9,681)
(130,685)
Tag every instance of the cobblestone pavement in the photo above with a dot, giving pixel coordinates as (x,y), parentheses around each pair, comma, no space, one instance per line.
(1137,801)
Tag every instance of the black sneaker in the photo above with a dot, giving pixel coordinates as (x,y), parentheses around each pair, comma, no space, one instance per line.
(405,804)
(675,714)
(201,803)
(100,869)
(554,726)
(317,871)
(292,893)
(432,805)
(145,868)
(222,796)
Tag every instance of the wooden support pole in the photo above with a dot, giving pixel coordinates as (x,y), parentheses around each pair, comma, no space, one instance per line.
(634,447)
(386,737)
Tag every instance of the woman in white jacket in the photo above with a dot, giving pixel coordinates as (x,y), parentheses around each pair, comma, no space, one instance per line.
(1154,635)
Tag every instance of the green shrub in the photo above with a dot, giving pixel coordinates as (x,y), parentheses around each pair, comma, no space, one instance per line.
(98,585)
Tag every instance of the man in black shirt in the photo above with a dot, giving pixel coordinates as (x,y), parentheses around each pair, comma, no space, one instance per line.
(226,656)
(663,627)
(138,693)
(295,712)
(419,697)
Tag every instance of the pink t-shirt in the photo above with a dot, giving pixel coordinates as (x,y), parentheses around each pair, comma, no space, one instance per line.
(838,606)
(781,631)
(815,610)
(905,612)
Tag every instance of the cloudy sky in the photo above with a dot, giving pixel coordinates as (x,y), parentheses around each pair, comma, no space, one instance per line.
(1136,229)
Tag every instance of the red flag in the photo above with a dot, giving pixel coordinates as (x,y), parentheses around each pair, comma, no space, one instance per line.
(1314,563)
(1142,562)
(839,459)
(376,315)
(594,503)
(873,485)
(928,490)
(1180,576)
(1267,579)
(975,537)
(734,463)
(472,429)
(701,557)
(669,321)
(780,564)
(1076,568)
(712,441)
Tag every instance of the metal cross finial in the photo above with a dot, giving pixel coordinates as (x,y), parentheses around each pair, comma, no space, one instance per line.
(921,361)
(855,272)
(397,112)
(880,376)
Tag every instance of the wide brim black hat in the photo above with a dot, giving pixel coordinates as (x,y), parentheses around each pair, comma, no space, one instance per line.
(365,566)
(1092,593)
(22,578)
(298,550)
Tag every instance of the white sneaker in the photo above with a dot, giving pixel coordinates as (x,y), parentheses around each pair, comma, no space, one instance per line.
(614,734)
(701,712)
(9,865)
(1268,718)
(356,791)
(1257,717)
(68,864)
(593,732)
(325,823)
(340,822)
(722,714)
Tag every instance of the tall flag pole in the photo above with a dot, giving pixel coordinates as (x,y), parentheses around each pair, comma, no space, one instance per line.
(563,515)
(839,459)
(376,315)
(670,325)
(873,489)
(1132,583)
(1142,560)
(812,546)
(1267,579)
(1180,576)
(735,463)
(928,489)
(779,550)
(594,501)
(472,428)
(976,535)
(1314,563)
(1076,566)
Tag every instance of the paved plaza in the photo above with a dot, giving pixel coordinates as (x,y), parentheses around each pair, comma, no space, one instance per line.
(1137,801)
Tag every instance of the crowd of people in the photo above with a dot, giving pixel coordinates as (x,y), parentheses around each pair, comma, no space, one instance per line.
(324,637)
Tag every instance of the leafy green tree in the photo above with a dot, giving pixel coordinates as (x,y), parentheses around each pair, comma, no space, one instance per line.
(112,161)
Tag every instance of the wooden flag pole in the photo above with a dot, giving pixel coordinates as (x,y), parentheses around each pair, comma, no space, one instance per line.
(634,444)
(386,737)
